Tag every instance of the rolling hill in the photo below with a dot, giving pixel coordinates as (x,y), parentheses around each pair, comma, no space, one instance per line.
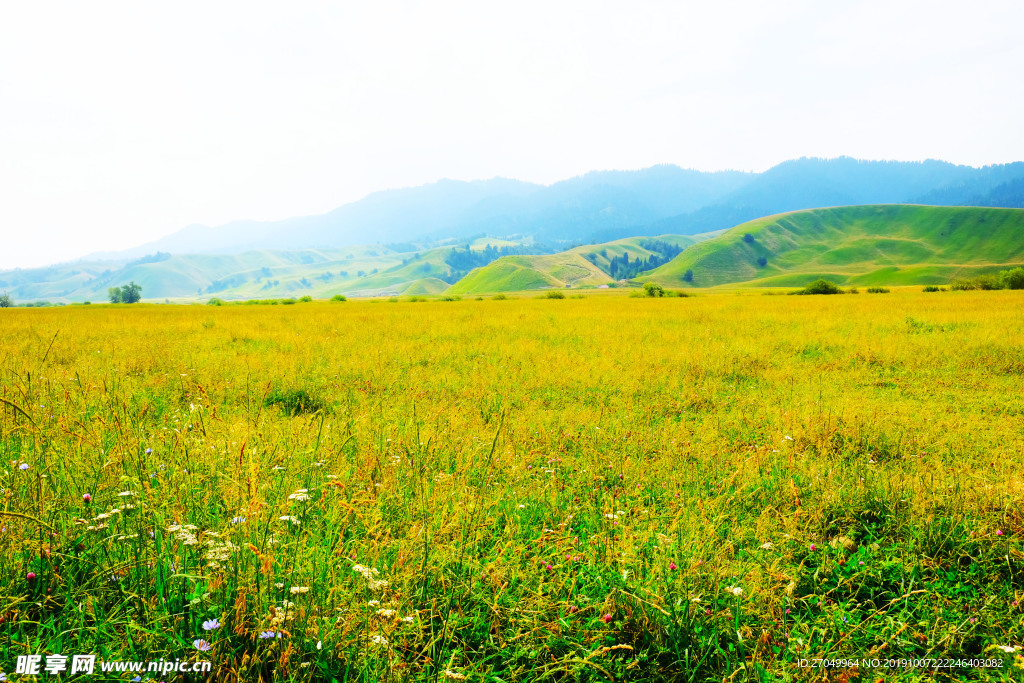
(854,245)
(586,266)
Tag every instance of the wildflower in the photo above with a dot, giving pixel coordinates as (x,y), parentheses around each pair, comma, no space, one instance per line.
(606,618)
(211,624)
(999,532)
(202,645)
(386,612)
(453,675)
(767,546)
(86,498)
(672,566)
(380,640)
(735,590)
(31,576)
(300,495)
(23,466)
(289,518)
(295,590)
(238,520)
(1008,649)
(813,547)
(408,620)
(269,634)
(148,451)
(126,493)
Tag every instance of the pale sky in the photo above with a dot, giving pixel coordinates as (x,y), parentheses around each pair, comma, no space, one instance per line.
(123,121)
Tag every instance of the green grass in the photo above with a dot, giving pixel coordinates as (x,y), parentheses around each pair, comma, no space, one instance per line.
(860,245)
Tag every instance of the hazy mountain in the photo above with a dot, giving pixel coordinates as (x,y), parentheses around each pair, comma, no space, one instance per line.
(597,207)
(818,183)
(605,205)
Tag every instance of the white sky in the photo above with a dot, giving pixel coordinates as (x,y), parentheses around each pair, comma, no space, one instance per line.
(123,121)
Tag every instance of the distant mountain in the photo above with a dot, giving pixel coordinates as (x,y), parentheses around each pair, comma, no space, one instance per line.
(818,183)
(602,206)
(233,260)
(855,245)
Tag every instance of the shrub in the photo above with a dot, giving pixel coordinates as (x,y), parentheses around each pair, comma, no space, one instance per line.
(451,297)
(338,297)
(748,238)
(933,288)
(417,299)
(554,294)
(6,301)
(653,289)
(853,290)
(499,297)
(295,401)
(819,287)
(1013,279)
(688,276)
(215,302)
(306,299)
(762,261)
(877,290)
(288,302)
(988,282)
(958,285)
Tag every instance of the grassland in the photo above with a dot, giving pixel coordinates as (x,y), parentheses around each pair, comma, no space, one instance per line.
(592,489)
(856,245)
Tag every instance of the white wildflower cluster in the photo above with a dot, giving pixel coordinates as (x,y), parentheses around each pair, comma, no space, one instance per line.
(370,575)
(300,495)
(386,612)
(298,590)
(217,550)
(454,676)
(186,533)
(379,640)
(735,590)
(289,518)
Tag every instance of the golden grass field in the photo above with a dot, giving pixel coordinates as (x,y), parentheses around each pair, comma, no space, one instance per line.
(592,489)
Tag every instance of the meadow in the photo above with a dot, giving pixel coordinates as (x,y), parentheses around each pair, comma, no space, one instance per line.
(588,489)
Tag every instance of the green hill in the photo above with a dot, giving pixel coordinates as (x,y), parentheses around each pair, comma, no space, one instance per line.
(427,285)
(855,245)
(585,266)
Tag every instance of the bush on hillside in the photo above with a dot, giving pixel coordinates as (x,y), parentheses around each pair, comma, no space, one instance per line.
(878,290)
(819,287)
(933,288)
(338,297)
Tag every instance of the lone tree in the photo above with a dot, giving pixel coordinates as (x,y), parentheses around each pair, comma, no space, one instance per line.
(128,294)
(5,300)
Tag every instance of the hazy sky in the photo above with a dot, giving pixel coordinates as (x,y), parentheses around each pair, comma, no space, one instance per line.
(121,122)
